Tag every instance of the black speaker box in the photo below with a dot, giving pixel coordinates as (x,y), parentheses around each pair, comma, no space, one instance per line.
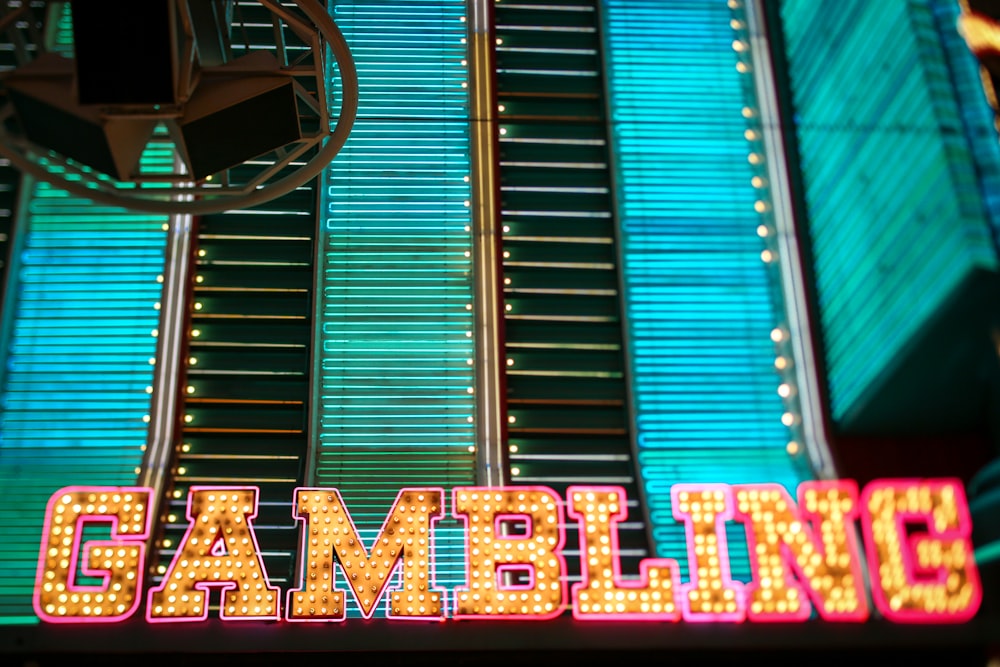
(125,51)
(48,116)
(232,118)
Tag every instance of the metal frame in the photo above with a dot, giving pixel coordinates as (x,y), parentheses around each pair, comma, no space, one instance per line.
(315,27)
(491,457)
(170,346)
(793,282)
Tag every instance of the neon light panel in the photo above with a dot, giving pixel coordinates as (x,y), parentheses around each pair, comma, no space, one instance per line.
(923,575)
(703,306)
(80,318)
(405,538)
(896,216)
(394,383)
(59,597)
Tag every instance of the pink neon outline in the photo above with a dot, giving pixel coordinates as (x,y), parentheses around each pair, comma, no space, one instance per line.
(517,567)
(220,540)
(556,552)
(644,565)
(223,586)
(124,540)
(962,532)
(503,568)
(810,598)
(739,615)
(512,518)
(386,590)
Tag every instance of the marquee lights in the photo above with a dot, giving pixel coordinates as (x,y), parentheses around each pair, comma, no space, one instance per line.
(118,562)
(711,595)
(330,535)
(782,539)
(220,550)
(920,576)
(803,554)
(602,594)
(492,553)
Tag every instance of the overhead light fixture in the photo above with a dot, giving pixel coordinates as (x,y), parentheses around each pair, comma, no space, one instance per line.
(139,65)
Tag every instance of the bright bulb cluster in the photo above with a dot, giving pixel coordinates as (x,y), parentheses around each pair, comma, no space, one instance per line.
(330,534)
(711,595)
(781,540)
(490,553)
(896,555)
(220,550)
(803,552)
(602,593)
(118,562)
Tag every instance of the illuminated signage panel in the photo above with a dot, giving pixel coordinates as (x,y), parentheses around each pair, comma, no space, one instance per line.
(804,554)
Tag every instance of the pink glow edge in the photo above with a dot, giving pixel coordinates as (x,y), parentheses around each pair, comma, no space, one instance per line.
(556,552)
(223,586)
(962,532)
(644,565)
(739,615)
(81,519)
(384,590)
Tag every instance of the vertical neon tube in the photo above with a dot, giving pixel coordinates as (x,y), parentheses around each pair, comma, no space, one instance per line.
(394,390)
(703,303)
(79,362)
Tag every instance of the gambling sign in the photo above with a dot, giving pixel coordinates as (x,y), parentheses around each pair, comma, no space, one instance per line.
(804,553)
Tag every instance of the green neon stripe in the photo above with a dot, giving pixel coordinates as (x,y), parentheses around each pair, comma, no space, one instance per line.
(77,361)
(78,364)
(895,211)
(987,554)
(393,327)
(700,302)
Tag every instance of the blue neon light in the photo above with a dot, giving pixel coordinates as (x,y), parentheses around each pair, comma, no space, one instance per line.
(700,302)
(394,406)
(81,318)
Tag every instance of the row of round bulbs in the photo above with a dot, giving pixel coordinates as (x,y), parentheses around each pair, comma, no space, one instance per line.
(765,229)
